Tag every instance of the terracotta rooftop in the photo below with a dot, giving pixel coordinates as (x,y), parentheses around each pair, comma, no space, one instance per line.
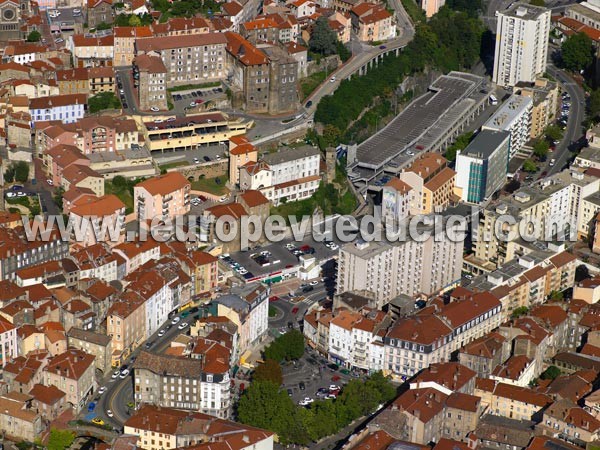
(164,184)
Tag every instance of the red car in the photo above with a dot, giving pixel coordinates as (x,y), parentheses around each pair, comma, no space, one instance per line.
(273,298)
(305,248)
(335,378)
(294,310)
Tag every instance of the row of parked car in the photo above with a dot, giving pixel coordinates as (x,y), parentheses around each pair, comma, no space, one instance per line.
(237,267)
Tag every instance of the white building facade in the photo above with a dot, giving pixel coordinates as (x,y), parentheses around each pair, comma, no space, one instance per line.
(521,44)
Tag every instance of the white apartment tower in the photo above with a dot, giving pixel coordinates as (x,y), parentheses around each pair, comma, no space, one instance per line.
(411,267)
(521,44)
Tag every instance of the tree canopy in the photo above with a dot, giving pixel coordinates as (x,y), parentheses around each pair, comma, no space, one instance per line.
(553,132)
(594,104)
(460,143)
(529,166)
(550,373)
(577,52)
(60,439)
(323,39)
(264,405)
(537,3)
(451,40)
(270,370)
(17,171)
(540,148)
(471,7)
(34,36)
(286,347)
(103,100)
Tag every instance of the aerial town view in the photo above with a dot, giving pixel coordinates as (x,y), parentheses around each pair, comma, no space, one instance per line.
(299,224)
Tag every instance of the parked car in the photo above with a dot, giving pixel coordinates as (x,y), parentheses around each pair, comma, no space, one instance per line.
(154,109)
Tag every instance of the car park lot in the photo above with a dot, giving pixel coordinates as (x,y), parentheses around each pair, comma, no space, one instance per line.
(197,96)
(213,152)
(277,257)
(312,376)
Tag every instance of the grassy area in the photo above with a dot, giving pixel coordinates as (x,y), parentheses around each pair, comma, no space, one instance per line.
(29,202)
(327,198)
(211,186)
(272,311)
(310,83)
(415,12)
(124,193)
(188,87)
(173,165)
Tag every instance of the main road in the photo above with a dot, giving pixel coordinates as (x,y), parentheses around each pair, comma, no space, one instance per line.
(574,129)
(119,391)
(304,117)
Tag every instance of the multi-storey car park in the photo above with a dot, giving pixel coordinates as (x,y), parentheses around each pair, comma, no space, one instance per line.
(188,133)
(429,124)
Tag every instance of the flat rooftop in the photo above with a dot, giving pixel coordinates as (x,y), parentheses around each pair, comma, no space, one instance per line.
(510,269)
(590,153)
(524,11)
(586,9)
(135,152)
(422,115)
(510,110)
(485,143)
(176,122)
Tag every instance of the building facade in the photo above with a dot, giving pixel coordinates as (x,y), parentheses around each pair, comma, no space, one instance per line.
(514,61)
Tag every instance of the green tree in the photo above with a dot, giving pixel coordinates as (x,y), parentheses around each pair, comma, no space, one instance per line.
(460,143)
(58,197)
(323,39)
(342,51)
(577,52)
(134,21)
(541,3)
(550,373)
(9,174)
(270,370)
(594,104)
(331,136)
(471,7)
(102,101)
(103,26)
(34,36)
(263,405)
(21,171)
(556,295)
(383,386)
(286,347)
(540,148)
(60,439)
(324,419)
(529,166)
(553,132)
(520,311)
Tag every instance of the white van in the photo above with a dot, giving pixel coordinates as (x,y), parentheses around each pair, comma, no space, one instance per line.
(493,100)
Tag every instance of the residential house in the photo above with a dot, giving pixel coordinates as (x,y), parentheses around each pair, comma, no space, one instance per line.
(73,373)
(165,196)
